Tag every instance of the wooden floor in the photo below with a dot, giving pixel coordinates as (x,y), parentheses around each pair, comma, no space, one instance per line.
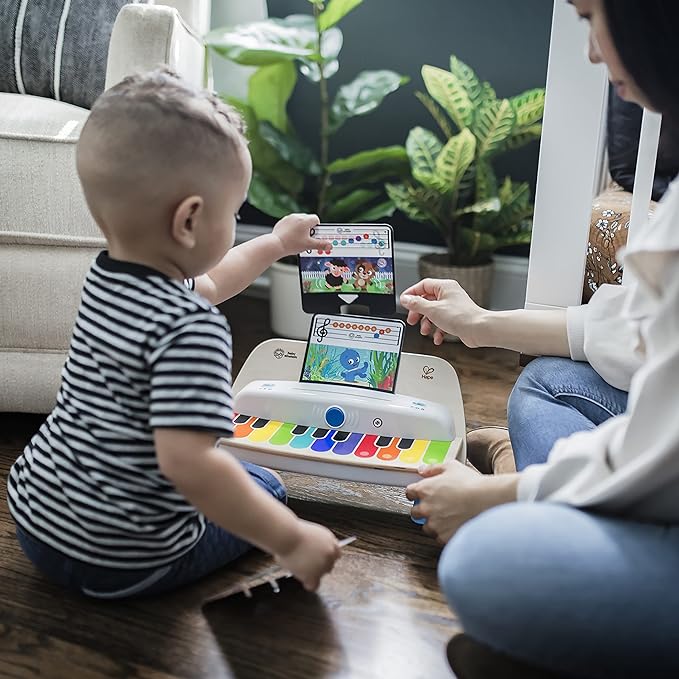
(378,615)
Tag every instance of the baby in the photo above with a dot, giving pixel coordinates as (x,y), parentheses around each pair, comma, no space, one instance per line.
(122,490)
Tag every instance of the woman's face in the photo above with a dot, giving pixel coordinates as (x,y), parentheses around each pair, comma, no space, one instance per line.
(602,50)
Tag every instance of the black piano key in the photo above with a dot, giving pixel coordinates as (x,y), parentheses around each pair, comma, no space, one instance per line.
(299,430)
(259,423)
(383,441)
(320,433)
(241,419)
(340,436)
(404,444)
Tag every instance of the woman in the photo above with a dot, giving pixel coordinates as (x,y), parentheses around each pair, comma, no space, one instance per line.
(580,575)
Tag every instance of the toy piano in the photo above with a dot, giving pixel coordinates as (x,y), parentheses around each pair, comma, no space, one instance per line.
(343,431)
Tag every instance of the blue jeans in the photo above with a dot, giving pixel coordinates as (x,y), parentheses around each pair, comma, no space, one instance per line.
(554,398)
(215,549)
(568,590)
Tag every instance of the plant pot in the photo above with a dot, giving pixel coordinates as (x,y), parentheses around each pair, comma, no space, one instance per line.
(476,280)
(285,309)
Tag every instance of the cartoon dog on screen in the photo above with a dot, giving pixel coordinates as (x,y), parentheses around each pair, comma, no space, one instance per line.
(363,275)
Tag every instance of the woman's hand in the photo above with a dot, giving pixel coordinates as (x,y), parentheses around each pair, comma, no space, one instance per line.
(452,494)
(443,306)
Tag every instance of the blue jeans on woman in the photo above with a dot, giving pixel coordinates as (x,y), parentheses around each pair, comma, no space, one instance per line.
(554,398)
(216,548)
(560,588)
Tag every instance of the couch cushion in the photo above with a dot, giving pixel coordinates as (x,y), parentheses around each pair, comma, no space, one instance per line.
(56,49)
(41,194)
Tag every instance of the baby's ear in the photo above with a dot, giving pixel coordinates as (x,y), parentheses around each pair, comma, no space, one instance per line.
(186,220)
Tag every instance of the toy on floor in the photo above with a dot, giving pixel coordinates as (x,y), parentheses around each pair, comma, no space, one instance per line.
(347,404)
(267,576)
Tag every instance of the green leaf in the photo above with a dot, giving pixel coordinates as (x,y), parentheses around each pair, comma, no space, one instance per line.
(418,203)
(486,183)
(468,79)
(450,94)
(364,94)
(455,157)
(423,148)
(265,159)
(488,206)
(270,199)
(346,208)
(335,11)
(515,198)
(493,124)
(436,114)
(529,106)
(290,149)
(477,245)
(331,45)
(521,136)
(388,157)
(375,213)
(269,90)
(261,43)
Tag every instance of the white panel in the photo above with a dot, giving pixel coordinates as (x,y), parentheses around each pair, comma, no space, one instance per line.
(570,153)
(643,178)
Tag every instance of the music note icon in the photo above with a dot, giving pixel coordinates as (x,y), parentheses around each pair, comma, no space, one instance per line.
(320,330)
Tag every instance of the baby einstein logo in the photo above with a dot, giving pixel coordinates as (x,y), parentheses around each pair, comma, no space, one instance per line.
(427,373)
(279,353)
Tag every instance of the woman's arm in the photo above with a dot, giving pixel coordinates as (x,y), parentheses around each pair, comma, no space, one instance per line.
(443,306)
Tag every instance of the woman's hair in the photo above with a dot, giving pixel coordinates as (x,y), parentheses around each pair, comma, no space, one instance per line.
(645,34)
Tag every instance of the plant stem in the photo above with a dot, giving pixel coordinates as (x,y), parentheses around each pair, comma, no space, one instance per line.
(325,132)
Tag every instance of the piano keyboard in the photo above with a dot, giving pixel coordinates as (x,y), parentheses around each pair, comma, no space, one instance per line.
(338,446)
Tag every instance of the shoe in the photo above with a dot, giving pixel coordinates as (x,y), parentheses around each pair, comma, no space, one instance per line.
(490,450)
(470,659)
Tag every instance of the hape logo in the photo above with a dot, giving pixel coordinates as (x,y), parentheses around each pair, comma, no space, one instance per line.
(427,373)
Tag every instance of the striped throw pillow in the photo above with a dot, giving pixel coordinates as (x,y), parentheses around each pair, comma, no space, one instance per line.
(56,48)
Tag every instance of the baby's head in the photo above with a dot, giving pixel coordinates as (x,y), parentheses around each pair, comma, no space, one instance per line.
(165,169)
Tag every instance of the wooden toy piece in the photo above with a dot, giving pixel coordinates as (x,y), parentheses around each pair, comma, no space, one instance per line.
(268,576)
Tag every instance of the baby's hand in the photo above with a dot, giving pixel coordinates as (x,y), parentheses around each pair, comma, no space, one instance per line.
(294,233)
(312,554)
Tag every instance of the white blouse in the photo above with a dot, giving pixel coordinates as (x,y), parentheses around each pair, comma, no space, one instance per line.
(630,335)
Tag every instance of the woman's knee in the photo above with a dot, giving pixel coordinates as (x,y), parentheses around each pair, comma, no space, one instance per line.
(485,571)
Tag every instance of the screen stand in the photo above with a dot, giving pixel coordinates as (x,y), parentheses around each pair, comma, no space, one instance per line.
(354,310)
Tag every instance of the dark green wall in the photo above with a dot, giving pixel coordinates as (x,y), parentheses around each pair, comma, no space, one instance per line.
(505,41)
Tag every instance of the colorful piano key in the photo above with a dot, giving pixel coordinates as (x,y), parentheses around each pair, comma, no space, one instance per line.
(325,443)
(243,427)
(415,452)
(284,434)
(366,446)
(301,438)
(347,446)
(436,452)
(264,432)
(387,449)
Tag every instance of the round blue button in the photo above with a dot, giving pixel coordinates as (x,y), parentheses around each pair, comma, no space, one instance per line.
(335,416)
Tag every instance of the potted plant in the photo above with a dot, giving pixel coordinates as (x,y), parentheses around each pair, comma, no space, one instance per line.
(290,176)
(453,185)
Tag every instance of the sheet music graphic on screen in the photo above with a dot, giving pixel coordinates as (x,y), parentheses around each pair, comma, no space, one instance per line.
(354,350)
(360,267)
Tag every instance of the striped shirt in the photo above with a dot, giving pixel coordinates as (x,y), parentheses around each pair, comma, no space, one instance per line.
(146,352)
